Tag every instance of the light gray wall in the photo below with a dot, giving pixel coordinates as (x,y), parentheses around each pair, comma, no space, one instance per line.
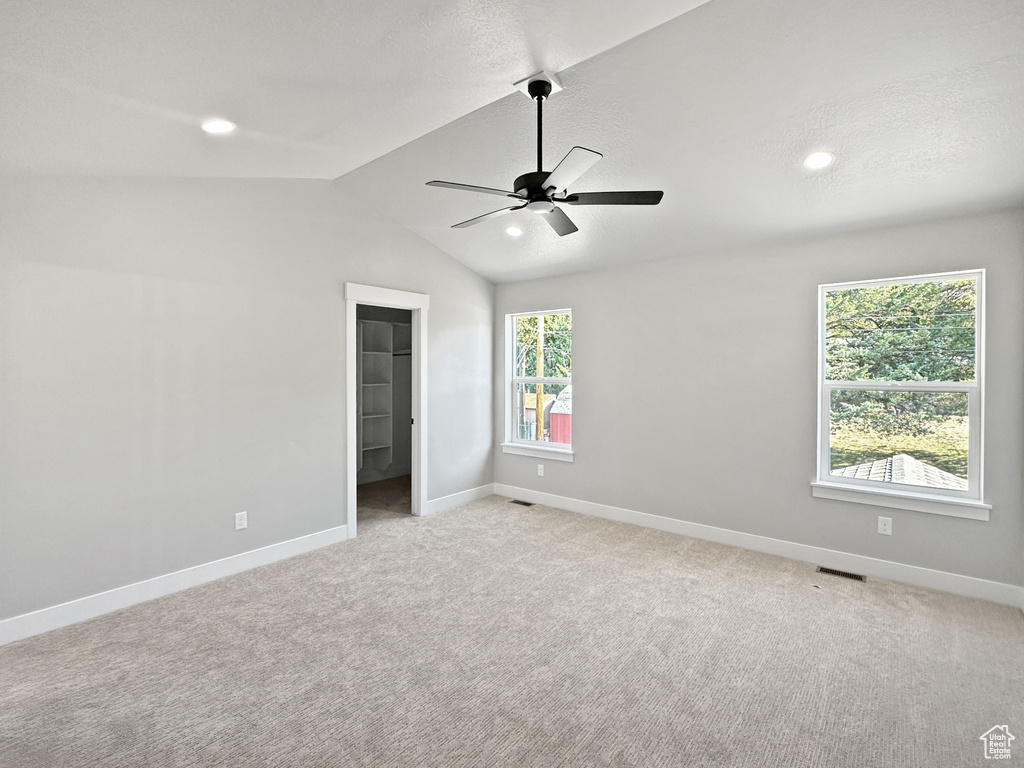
(172,352)
(694,390)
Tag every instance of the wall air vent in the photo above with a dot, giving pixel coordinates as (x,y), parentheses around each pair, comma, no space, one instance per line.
(844,574)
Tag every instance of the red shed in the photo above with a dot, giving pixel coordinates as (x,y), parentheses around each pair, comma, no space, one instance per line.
(561,418)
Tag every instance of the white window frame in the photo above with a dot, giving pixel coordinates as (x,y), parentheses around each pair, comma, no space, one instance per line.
(940,501)
(512,442)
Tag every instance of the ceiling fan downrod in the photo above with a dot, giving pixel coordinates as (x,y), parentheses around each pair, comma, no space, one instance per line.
(539,91)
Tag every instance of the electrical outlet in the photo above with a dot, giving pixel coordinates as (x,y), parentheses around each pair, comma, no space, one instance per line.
(885,526)
(241,520)
(540,470)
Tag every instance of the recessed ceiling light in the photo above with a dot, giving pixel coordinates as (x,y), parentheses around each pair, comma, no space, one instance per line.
(218,126)
(514,231)
(818,160)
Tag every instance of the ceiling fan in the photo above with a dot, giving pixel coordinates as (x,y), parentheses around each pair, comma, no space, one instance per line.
(539,191)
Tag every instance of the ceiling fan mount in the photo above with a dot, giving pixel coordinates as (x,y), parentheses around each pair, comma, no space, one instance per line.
(539,88)
(540,190)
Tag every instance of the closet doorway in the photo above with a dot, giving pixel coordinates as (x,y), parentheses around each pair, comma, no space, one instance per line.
(383,413)
(385,403)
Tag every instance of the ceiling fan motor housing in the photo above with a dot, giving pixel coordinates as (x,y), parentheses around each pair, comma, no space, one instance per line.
(531,185)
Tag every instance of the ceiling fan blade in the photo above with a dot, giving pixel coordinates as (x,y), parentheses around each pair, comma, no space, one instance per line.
(471,188)
(491,215)
(559,222)
(573,165)
(613,198)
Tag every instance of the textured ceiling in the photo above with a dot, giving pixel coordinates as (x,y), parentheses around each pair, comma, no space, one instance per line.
(317,87)
(714,102)
(922,102)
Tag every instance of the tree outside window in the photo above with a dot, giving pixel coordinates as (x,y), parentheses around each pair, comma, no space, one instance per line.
(542,378)
(900,383)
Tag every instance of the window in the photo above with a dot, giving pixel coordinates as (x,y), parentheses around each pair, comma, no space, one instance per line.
(539,378)
(900,393)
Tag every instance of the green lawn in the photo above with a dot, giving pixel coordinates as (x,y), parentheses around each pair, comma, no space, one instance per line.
(943,446)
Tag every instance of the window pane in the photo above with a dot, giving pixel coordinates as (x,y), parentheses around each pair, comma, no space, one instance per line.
(556,407)
(554,355)
(914,438)
(920,331)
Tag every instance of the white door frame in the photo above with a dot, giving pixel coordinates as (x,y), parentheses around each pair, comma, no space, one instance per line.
(417,303)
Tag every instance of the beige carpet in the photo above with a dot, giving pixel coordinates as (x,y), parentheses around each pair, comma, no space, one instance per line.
(498,635)
(381,502)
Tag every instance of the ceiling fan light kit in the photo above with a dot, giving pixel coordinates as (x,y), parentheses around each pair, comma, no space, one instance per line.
(539,191)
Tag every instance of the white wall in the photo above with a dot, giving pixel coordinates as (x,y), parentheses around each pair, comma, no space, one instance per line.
(694,391)
(172,352)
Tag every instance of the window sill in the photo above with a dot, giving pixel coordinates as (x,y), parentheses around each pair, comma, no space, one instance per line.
(917,502)
(555,454)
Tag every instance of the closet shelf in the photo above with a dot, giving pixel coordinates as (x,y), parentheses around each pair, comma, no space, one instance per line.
(375,395)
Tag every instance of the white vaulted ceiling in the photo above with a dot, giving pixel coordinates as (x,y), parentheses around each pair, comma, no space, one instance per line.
(716,103)
(317,87)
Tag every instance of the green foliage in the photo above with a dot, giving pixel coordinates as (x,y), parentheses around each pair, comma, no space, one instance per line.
(894,413)
(906,332)
(921,331)
(557,345)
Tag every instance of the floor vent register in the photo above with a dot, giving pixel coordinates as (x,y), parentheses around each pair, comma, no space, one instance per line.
(843,574)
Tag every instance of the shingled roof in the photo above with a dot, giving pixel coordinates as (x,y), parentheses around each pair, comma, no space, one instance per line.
(563,404)
(904,469)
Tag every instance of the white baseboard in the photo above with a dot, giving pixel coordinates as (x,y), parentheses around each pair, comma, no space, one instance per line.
(37,622)
(45,619)
(454,500)
(994,591)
